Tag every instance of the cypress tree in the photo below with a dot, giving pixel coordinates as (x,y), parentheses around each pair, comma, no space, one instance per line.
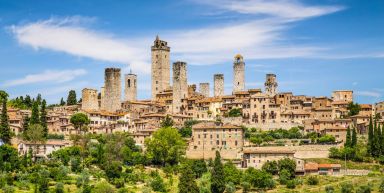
(375,150)
(5,130)
(370,136)
(380,150)
(43,117)
(71,100)
(217,179)
(382,140)
(25,123)
(348,141)
(35,114)
(187,182)
(62,102)
(354,137)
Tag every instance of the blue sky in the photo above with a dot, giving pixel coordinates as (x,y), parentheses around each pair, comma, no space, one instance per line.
(313,46)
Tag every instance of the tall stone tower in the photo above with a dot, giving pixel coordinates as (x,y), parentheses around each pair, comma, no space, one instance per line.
(112,90)
(270,85)
(204,89)
(89,100)
(160,71)
(238,73)
(218,85)
(130,88)
(180,85)
(102,97)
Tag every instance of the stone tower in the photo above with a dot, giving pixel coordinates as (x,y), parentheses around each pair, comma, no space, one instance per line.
(204,89)
(89,100)
(218,85)
(160,70)
(270,85)
(238,73)
(102,97)
(130,88)
(180,85)
(112,90)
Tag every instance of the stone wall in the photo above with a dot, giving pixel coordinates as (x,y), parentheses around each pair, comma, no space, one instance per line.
(89,99)
(112,90)
(204,89)
(238,74)
(180,85)
(160,70)
(303,151)
(218,85)
(130,91)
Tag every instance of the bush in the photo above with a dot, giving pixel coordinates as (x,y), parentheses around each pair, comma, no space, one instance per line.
(59,188)
(157,184)
(291,184)
(364,189)
(346,187)
(312,180)
(381,188)
(103,187)
(8,189)
(329,189)
(230,188)
(284,176)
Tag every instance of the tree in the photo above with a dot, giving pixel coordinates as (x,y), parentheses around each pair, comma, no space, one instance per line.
(199,167)
(353,108)
(35,114)
(26,120)
(327,139)
(271,167)
(289,165)
(231,173)
(235,112)
(370,136)
(185,132)
(187,183)
(103,187)
(346,187)
(71,99)
(59,188)
(381,188)
(35,135)
(157,183)
(5,130)
(375,148)
(230,188)
(43,118)
(258,178)
(3,96)
(165,146)
(9,160)
(167,122)
(312,180)
(348,141)
(354,137)
(217,179)
(79,120)
(62,102)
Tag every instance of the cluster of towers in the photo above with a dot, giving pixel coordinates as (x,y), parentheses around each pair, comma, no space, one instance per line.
(109,98)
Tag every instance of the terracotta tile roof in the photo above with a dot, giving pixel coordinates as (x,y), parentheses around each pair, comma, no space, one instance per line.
(311,166)
(213,125)
(268,151)
(329,166)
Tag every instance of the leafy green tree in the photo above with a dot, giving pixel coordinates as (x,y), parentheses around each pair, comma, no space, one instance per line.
(157,183)
(245,186)
(59,188)
(26,120)
(43,118)
(35,114)
(165,146)
(364,189)
(375,148)
(258,178)
(9,160)
(284,176)
(235,112)
(312,180)
(71,99)
(113,170)
(231,173)
(327,139)
(271,167)
(167,122)
(291,184)
(348,141)
(256,140)
(199,167)
(79,121)
(354,137)
(230,188)
(346,187)
(186,132)
(5,130)
(35,135)
(187,183)
(103,187)
(205,183)
(289,165)
(217,175)
(353,109)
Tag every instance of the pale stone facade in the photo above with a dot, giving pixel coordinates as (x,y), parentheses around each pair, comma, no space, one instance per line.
(112,90)
(342,95)
(160,72)
(89,99)
(204,89)
(130,90)
(218,85)
(238,73)
(180,85)
(271,85)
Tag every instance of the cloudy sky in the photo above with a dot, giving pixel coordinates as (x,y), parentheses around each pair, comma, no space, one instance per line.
(313,46)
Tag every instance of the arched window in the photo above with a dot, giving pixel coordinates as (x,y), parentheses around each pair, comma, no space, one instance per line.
(129,82)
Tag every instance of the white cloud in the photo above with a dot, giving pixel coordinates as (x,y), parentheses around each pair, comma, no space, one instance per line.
(67,35)
(369,93)
(55,76)
(289,9)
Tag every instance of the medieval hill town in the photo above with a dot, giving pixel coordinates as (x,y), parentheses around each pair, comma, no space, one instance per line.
(191,96)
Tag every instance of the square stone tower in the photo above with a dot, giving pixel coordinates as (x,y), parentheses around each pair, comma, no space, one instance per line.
(180,85)
(204,89)
(218,85)
(160,70)
(89,100)
(130,88)
(112,90)
(238,73)
(270,85)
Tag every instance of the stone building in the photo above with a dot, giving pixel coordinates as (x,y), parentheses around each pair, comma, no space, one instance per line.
(89,99)
(379,108)
(160,72)
(130,90)
(218,85)
(180,85)
(204,89)
(342,95)
(238,73)
(112,90)
(271,85)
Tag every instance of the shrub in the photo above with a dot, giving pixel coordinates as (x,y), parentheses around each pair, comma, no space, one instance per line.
(381,188)
(291,184)
(346,187)
(329,189)
(103,187)
(59,188)
(364,189)
(157,184)
(8,189)
(230,188)
(312,180)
